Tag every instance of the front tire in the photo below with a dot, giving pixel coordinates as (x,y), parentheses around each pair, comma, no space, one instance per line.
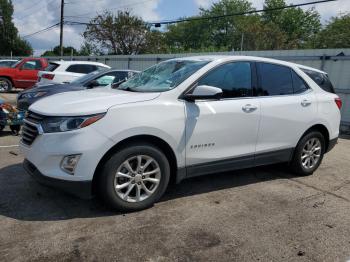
(308,154)
(5,85)
(135,177)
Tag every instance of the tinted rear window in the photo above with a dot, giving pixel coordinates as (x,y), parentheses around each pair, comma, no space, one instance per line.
(320,79)
(51,67)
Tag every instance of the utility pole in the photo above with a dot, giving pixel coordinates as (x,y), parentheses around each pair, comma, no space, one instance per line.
(61,28)
(242,40)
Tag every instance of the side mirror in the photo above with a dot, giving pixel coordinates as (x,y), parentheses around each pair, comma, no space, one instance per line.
(93,83)
(204,92)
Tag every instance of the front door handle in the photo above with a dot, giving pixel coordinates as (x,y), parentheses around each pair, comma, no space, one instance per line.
(248,108)
(305,102)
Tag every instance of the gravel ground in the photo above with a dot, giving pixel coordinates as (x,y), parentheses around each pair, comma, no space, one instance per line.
(261,214)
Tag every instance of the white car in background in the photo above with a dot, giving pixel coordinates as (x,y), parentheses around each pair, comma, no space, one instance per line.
(62,72)
(7,62)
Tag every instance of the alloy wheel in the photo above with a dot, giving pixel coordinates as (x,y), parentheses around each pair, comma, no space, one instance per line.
(311,153)
(137,178)
(4,85)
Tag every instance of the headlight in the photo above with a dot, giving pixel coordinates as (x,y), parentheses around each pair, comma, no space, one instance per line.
(33,94)
(39,94)
(62,124)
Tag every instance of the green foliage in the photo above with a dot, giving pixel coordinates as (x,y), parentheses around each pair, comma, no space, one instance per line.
(297,25)
(278,29)
(9,39)
(120,34)
(67,51)
(336,34)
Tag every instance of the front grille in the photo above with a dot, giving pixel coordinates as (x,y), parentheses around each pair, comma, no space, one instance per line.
(30,127)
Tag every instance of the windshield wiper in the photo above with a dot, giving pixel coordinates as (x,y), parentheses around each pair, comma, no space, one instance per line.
(116,85)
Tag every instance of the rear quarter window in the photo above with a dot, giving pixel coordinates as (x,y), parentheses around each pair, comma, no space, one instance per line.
(321,79)
(51,67)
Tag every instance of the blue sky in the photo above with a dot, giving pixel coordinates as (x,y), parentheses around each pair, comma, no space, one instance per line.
(33,15)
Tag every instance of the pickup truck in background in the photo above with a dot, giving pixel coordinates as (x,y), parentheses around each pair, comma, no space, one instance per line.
(23,74)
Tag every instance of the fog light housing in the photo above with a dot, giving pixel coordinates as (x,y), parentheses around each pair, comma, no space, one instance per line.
(69,163)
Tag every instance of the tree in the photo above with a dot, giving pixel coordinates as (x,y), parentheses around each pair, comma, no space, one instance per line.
(155,43)
(120,34)
(67,51)
(9,39)
(336,34)
(188,36)
(88,49)
(227,32)
(299,26)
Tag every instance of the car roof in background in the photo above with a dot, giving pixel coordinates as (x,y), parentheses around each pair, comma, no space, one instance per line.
(77,63)
(8,60)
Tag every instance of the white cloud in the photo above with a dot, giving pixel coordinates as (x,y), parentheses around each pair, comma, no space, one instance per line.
(203,3)
(29,19)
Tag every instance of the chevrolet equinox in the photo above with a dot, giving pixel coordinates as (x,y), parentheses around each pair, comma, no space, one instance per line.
(181,118)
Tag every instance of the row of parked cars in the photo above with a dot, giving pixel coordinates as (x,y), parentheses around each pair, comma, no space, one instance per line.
(180,118)
(40,78)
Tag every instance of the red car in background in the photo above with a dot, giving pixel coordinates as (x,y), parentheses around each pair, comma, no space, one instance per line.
(23,74)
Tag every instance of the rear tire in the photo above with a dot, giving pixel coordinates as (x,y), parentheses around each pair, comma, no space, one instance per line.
(135,177)
(5,84)
(308,154)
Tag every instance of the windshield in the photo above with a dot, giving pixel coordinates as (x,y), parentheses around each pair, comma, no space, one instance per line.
(163,76)
(87,77)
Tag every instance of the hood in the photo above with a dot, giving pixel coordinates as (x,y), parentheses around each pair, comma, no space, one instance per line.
(52,88)
(87,102)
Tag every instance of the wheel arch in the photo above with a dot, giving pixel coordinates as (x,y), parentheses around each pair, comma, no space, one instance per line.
(323,130)
(154,140)
(9,78)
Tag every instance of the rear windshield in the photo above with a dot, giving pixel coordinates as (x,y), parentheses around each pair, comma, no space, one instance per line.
(321,79)
(51,67)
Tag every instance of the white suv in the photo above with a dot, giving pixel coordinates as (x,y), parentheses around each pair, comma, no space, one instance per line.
(61,72)
(178,119)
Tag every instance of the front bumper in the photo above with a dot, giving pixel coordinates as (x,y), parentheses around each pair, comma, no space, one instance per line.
(82,189)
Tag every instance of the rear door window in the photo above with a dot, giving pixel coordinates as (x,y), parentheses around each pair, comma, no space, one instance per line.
(299,85)
(320,79)
(274,80)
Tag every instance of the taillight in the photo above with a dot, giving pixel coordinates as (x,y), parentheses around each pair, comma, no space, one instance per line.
(338,102)
(48,76)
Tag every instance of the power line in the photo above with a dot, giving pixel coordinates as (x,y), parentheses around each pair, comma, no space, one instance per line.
(167,22)
(41,30)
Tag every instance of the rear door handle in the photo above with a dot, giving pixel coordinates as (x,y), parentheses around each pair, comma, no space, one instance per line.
(248,108)
(305,102)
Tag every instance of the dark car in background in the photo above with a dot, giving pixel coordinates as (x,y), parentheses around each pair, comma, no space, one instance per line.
(93,80)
